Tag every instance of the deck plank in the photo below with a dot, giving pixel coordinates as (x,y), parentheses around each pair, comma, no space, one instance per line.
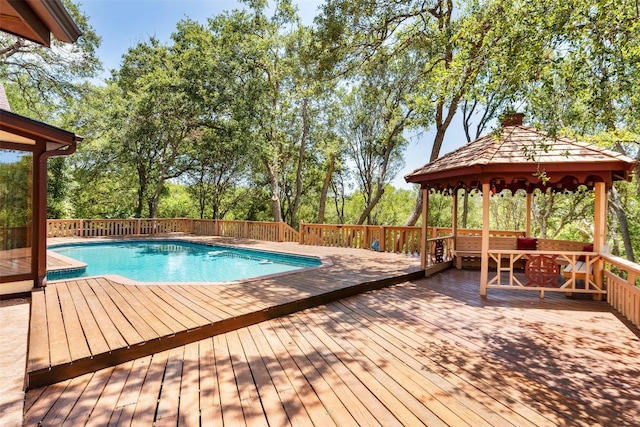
(172,315)
(395,388)
(58,343)
(189,410)
(170,392)
(135,313)
(38,356)
(210,406)
(271,403)
(144,310)
(75,333)
(108,329)
(122,324)
(145,410)
(95,340)
(230,403)
(296,392)
(327,392)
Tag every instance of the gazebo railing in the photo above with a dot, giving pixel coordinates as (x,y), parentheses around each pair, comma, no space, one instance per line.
(546,271)
(622,278)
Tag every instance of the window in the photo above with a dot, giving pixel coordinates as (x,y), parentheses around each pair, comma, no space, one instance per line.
(16,216)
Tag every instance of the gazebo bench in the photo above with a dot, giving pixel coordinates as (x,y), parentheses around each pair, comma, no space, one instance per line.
(468,249)
(581,271)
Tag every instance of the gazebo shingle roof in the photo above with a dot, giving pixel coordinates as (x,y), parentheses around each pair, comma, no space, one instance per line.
(515,155)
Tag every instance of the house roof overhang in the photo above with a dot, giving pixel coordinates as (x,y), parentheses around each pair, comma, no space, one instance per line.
(36,20)
(520,157)
(19,130)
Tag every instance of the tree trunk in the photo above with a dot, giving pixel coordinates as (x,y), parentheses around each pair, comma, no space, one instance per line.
(325,188)
(372,204)
(275,190)
(616,205)
(301,153)
(465,209)
(417,211)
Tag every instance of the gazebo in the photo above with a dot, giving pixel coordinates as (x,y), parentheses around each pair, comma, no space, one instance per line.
(517,157)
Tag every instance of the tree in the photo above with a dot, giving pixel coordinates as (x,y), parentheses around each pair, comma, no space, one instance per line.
(376,113)
(40,80)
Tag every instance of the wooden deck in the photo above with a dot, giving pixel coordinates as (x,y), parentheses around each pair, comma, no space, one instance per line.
(425,352)
(80,326)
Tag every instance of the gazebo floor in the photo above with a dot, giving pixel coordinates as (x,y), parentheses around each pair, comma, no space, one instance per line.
(82,325)
(428,351)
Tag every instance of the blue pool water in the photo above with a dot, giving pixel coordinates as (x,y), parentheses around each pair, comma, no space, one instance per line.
(175,261)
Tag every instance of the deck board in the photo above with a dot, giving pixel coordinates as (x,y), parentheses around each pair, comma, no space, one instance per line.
(422,352)
(428,351)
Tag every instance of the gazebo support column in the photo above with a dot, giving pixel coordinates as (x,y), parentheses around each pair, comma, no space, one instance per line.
(484,265)
(425,229)
(599,231)
(528,214)
(454,217)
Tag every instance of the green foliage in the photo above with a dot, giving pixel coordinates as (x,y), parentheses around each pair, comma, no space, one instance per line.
(41,80)
(15,188)
(176,202)
(251,116)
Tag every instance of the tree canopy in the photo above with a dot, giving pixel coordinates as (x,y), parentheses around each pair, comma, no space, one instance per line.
(254,115)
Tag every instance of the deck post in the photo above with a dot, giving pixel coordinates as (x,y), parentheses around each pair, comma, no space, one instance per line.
(281,231)
(484,266)
(301,233)
(425,230)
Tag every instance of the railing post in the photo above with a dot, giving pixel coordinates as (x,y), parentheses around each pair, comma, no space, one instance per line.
(80,232)
(138,226)
(365,238)
(216,227)
(301,233)
(281,231)
(246,229)
(383,239)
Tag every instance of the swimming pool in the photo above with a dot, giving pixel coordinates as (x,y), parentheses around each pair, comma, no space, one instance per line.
(175,261)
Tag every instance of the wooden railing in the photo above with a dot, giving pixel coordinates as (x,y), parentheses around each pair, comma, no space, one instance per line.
(622,278)
(257,230)
(389,238)
(546,271)
(115,227)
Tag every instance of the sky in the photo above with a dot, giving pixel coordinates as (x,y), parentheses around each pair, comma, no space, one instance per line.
(122,24)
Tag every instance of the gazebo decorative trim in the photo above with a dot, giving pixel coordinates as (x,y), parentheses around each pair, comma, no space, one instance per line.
(516,156)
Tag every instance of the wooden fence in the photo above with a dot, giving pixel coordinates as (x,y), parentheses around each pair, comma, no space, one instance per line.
(268,231)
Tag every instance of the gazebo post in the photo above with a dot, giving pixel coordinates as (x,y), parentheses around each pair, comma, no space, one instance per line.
(454,217)
(425,228)
(599,231)
(484,265)
(528,214)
